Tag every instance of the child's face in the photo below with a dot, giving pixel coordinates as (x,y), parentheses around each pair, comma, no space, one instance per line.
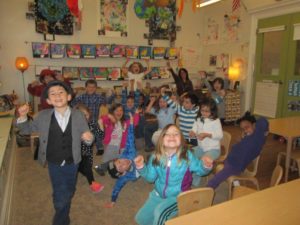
(118,113)
(182,75)
(135,69)
(122,165)
(247,127)
(130,103)
(205,111)
(172,138)
(162,103)
(58,97)
(217,86)
(187,104)
(91,89)
(47,79)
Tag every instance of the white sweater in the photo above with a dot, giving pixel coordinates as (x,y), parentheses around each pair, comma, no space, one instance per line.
(212,127)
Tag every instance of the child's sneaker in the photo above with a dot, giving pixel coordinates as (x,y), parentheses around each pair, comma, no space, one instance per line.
(96,187)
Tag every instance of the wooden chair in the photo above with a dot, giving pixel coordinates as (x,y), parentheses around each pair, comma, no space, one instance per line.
(295,156)
(193,200)
(248,175)
(225,143)
(240,191)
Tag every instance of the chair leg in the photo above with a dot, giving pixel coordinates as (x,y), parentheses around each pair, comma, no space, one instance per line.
(230,190)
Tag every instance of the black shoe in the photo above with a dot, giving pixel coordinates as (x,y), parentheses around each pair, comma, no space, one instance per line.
(99,170)
(100,152)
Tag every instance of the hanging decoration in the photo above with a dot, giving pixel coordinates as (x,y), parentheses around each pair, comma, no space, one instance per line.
(236,4)
(180,8)
(75,7)
(53,17)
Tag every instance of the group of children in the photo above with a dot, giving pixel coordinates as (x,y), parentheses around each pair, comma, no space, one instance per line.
(182,153)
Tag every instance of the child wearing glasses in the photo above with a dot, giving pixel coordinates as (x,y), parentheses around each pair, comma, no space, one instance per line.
(208,130)
(169,168)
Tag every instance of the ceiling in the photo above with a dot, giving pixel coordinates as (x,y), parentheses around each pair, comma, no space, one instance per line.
(255,4)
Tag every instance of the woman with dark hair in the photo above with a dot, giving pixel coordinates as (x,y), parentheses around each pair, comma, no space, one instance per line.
(182,81)
(245,151)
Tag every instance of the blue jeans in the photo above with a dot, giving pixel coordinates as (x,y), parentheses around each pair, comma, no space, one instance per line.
(157,210)
(63,180)
(198,152)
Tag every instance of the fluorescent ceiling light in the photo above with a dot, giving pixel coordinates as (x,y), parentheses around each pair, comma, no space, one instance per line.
(208,2)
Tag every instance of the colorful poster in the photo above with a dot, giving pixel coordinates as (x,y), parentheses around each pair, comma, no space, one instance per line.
(113,19)
(117,51)
(231,28)
(132,52)
(154,74)
(88,51)
(103,50)
(40,50)
(164,72)
(114,73)
(171,53)
(159,52)
(145,52)
(53,17)
(57,51)
(101,73)
(86,73)
(74,51)
(71,73)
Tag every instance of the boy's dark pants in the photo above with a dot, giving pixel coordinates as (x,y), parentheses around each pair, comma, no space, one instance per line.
(63,180)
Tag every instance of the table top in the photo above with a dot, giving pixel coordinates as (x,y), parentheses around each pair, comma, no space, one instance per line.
(277,205)
(5,126)
(287,127)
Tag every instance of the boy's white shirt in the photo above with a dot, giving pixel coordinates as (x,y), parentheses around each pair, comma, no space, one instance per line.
(212,127)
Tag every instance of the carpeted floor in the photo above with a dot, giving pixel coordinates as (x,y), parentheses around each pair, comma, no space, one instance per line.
(32,200)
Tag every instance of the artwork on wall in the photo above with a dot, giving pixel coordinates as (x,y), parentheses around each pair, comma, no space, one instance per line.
(294,106)
(231,27)
(132,52)
(57,51)
(86,73)
(158,72)
(101,73)
(212,31)
(114,73)
(171,53)
(145,52)
(113,18)
(212,60)
(159,52)
(40,50)
(71,73)
(74,51)
(117,51)
(53,17)
(103,50)
(88,51)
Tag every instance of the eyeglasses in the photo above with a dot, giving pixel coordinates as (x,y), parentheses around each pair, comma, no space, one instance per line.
(172,134)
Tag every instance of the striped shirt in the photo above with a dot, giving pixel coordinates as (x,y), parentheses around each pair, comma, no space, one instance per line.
(186,116)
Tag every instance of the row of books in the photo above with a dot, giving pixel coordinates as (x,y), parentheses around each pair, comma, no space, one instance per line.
(91,51)
(108,73)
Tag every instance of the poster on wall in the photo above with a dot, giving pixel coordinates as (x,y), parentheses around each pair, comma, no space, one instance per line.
(101,73)
(231,28)
(103,50)
(53,17)
(171,53)
(145,52)
(114,73)
(71,73)
(74,51)
(88,51)
(86,73)
(212,31)
(113,18)
(57,51)
(40,50)
(117,51)
(132,52)
(159,52)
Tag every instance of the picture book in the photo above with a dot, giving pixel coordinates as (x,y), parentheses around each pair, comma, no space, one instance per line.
(132,52)
(88,51)
(40,50)
(74,51)
(86,73)
(57,51)
(101,73)
(145,52)
(71,73)
(103,50)
(117,51)
(159,52)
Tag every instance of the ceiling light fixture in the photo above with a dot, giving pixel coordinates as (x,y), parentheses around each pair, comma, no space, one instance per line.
(207,2)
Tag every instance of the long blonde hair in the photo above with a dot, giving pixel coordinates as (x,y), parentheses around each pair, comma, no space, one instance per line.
(160,150)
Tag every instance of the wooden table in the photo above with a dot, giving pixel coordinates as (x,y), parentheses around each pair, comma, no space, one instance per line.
(273,206)
(288,127)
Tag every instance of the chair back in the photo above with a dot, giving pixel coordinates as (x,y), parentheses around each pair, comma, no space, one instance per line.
(276,176)
(251,169)
(194,200)
(225,143)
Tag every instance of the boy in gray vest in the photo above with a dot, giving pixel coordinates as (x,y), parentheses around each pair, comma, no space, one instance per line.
(61,131)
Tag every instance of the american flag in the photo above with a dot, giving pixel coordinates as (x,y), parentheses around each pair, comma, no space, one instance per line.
(235,4)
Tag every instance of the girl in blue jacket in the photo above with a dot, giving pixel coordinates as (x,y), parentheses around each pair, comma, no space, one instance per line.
(169,168)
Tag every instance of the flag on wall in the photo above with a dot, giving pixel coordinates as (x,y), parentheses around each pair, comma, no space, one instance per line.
(236,4)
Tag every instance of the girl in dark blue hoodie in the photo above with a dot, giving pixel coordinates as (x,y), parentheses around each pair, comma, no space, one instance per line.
(245,151)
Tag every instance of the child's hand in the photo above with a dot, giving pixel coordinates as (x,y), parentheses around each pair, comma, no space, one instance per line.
(139,161)
(87,136)
(152,98)
(139,110)
(23,110)
(109,205)
(207,161)
(192,134)
(111,118)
